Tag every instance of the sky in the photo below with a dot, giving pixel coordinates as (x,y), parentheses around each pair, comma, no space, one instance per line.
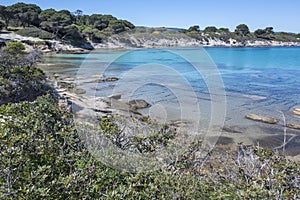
(283,15)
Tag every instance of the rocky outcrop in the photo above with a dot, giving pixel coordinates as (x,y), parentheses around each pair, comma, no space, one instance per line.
(65,85)
(127,41)
(182,40)
(115,96)
(262,119)
(293,126)
(45,45)
(138,104)
(296,111)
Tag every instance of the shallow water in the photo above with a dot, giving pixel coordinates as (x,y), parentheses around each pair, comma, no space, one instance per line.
(263,81)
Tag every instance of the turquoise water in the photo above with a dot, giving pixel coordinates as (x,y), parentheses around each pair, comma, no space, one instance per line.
(263,81)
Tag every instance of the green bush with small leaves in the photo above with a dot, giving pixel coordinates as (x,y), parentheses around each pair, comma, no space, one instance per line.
(35,32)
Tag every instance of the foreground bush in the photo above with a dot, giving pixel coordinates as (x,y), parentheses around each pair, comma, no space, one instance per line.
(19,79)
(22,83)
(41,154)
(43,157)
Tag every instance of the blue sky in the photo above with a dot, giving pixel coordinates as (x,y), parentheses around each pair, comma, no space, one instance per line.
(283,15)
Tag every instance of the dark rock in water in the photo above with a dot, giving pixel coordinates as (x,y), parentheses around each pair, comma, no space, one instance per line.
(293,126)
(138,104)
(102,111)
(111,79)
(262,119)
(296,111)
(224,140)
(79,91)
(231,129)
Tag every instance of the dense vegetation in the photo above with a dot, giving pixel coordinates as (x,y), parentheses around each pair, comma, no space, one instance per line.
(241,33)
(43,157)
(70,26)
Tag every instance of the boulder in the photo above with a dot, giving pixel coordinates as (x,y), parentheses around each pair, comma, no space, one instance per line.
(103,105)
(293,126)
(115,96)
(138,104)
(296,111)
(262,119)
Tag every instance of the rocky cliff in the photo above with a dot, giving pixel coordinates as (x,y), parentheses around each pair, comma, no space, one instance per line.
(128,40)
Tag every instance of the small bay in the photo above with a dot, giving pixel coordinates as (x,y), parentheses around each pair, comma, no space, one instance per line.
(262,81)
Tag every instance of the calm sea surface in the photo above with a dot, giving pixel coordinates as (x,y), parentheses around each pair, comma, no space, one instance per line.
(263,81)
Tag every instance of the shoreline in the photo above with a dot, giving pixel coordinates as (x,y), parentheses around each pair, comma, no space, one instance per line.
(116,43)
(87,108)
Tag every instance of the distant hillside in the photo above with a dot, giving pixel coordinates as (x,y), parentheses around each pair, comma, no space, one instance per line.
(56,29)
(73,27)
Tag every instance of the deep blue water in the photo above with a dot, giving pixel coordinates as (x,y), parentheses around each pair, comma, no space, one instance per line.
(256,80)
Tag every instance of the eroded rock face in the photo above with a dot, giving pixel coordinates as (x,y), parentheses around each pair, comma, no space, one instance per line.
(138,104)
(296,111)
(262,119)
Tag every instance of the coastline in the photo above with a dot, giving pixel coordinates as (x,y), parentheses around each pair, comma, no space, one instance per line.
(90,109)
(118,43)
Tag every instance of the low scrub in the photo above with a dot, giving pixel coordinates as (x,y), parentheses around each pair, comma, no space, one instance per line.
(35,32)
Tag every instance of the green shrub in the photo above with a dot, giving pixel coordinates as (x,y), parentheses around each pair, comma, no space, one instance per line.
(2,25)
(35,32)
(41,155)
(22,83)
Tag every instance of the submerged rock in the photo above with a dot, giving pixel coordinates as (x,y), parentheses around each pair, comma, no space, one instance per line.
(262,119)
(79,91)
(97,76)
(109,79)
(296,111)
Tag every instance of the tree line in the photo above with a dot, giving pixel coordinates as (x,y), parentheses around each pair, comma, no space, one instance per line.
(62,23)
(241,32)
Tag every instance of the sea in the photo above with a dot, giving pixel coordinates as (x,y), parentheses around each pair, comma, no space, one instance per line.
(210,87)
